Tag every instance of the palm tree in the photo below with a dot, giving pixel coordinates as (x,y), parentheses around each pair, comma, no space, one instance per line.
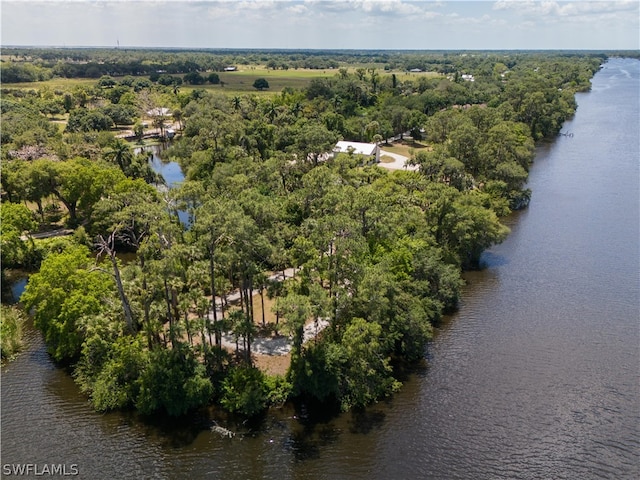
(271,111)
(120,154)
(337,101)
(158,122)
(296,108)
(374,79)
(177,116)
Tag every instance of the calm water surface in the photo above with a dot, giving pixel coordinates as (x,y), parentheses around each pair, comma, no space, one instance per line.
(536,377)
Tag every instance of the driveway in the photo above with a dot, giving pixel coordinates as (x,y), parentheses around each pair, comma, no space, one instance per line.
(399,162)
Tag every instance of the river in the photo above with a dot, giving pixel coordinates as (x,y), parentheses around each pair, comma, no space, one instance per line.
(535,377)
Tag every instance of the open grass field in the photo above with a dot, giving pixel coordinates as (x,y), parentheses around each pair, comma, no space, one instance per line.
(55,83)
(234,82)
(240,81)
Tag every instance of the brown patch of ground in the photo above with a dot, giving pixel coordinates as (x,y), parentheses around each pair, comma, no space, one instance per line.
(276,364)
(272,364)
(269,316)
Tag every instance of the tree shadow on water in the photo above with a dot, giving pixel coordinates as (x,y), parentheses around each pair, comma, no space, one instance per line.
(364,421)
(316,426)
(490,260)
(308,443)
(170,432)
(319,426)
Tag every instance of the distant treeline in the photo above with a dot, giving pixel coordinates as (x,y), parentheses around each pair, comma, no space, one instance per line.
(36,64)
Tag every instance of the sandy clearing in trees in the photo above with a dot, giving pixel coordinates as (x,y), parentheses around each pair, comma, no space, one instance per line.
(273,364)
(270,353)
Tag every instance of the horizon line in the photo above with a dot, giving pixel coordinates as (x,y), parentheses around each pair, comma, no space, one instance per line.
(324,49)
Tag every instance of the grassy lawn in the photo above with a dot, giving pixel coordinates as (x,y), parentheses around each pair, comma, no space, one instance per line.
(404,147)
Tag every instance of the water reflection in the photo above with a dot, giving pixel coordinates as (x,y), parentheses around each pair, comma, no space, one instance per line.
(13,284)
(171,173)
(493,259)
(17,288)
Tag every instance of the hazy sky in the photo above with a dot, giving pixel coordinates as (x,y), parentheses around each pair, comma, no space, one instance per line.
(321,24)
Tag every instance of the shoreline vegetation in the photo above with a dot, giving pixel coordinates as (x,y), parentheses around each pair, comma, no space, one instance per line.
(164,316)
(11,325)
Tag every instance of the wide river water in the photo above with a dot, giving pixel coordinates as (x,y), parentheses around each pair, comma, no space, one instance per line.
(535,377)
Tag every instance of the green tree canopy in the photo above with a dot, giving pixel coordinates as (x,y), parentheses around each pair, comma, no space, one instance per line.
(260,84)
(64,292)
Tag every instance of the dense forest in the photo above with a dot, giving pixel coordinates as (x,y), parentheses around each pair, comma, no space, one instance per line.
(377,255)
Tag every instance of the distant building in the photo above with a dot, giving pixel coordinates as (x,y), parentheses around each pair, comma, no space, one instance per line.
(370,150)
(415,70)
(230,69)
(159,112)
(468,78)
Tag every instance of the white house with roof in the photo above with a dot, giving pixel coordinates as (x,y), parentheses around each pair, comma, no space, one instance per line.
(370,150)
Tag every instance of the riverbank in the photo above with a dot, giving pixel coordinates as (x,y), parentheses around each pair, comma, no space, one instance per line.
(12,322)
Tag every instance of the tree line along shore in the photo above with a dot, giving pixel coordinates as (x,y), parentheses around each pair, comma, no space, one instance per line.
(377,254)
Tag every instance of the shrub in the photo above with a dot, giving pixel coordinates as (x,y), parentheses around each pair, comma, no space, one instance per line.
(11,321)
(175,381)
(278,389)
(244,391)
(117,384)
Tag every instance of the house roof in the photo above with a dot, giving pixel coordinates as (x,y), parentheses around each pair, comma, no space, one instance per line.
(358,148)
